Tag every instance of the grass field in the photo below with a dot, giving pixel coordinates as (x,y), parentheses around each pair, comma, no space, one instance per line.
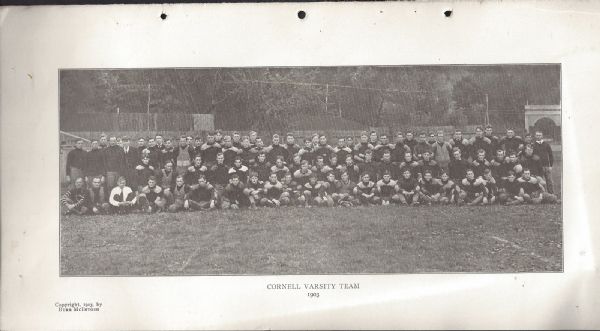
(293,240)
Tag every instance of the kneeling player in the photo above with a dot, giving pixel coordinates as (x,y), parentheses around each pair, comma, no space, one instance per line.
(388,189)
(430,188)
(233,196)
(533,190)
(122,199)
(289,189)
(365,191)
(76,199)
(203,195)
(179,194)
(152,199)
(511,192)
(409,189)
(472,190)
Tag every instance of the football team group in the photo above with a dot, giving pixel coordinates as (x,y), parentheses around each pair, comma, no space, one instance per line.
(235,171)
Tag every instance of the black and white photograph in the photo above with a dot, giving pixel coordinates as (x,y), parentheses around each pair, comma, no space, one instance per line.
(311,170)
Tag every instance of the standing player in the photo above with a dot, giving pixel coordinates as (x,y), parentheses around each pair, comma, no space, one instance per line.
(291,147)
(95,164)
(457,169)
(97,203)
(76,162)
(184,155)
(543,150)
(510,142)
(342,149)
(421,147)
(441,150)
(368,166)
(219,176)
(306,153)
(131,158)
(229,151)
(76,200)
(277,149)
(361,147)
(114,162)
(122,199)
(480,142)
(386,165)
(210,149)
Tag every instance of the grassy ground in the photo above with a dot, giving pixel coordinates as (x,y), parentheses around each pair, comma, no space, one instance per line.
(291,240)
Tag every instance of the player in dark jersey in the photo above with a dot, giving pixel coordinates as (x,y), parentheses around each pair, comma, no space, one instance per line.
(320,168)
(409,189)
(510,142)
(449,190)
(328,190)
(306,153)
(344,195)
(472,190)
(254,190)
(499,165)
(289,195)
(273,190)
(310,195)
(532,162)
(277,150)
(386,165)
(458,167)
(233,195)
(77,199)
(239,169)
(210,149)
(410,164)
(352,169)
(291,147)
(534,192)
(203,195)
(195,170)
(179,194)
(152,198)
(491,186)
(262,167)
(480,163)
(342,150)
(511,191)
(366,191)
(360,148)
(430,191)
(144,170)
(97,203)
(387,189)
(427,164)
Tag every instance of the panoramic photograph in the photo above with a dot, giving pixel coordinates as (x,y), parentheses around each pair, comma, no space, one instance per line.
(310,170)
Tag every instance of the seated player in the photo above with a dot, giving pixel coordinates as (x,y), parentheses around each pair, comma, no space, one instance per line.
(239,169)
(167,178)
(97,203)
(77,199)
(431,188)
(511,191)
(345,191)
(334,165)
(499,165)
(409,189)
(233,195)
(295,164)
(427,164)
(387,189)
(262,167)
(368,166)
(289,189)
(472,190)
(491,187)
(365,191)
(179,195)
(195,170)
(457,168)
(328,189)
(408,164)
(449,190)
(273,196)
(386,165)
(122,199)
(533,163)
(352,169)
(310,193)
(144,170)
(254,190)
(513,163)
(202,195)
(302,175)
(480,163)
(152,198)
(533,190)
(279,168)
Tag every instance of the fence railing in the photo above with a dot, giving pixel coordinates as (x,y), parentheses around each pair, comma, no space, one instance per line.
(136,122)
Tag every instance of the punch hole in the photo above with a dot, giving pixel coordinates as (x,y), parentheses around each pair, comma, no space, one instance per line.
(448,13)
(163,16)
(301,14)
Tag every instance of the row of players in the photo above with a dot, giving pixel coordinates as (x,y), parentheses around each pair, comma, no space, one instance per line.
(372,154)
(307,190)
